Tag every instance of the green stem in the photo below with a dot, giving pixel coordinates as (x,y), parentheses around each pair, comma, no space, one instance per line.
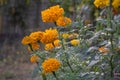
(44,76)
(55,75)
(111,65)
(68,63)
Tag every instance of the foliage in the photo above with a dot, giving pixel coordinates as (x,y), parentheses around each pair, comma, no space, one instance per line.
(86,51)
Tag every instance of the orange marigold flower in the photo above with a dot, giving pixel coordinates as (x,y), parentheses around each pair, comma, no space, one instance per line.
(52,14)
(50,65)
(116,4)
(101,3)
(36,35)
(75,42)
(49,36)
(57,43)
(49,46)
(33,46)
(27,40)
(34,58)
(103,49)
(63,21)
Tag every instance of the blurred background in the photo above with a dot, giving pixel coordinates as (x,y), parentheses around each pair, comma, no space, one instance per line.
(20,17)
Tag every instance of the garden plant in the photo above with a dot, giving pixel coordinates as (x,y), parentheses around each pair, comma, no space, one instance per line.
(78,49)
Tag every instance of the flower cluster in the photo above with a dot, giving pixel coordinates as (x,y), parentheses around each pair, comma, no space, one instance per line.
(52,14)
(49,36)
(55,14)
(33,40)
(50,65)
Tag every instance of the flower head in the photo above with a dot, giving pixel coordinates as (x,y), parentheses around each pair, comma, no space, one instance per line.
(34,58)
(101,3)
(50,65)
(34,46)
(116,4)
(75,42)
(27,40)
(63,21)
(49,36)
(52,14)
(36,35)
(49,46)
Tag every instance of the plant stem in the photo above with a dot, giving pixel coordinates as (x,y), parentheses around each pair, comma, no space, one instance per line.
(111,65)
(55,75)
(68,63)
(44,76)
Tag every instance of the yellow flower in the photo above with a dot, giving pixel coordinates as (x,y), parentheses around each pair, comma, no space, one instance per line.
(103,49)
(50,65)
(65,35)
(75,42)
(27,40)
(52,14)
(63,21)
(34,59)
(36,35)
(49,36)
(101,3)
(116,4)
(49,46)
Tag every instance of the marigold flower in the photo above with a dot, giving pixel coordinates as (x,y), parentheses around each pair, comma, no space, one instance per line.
(49,36)
(50,65)
(49,46)
(52,14)
(65,35)
(116,4)
(57,43)
(36,35)
(103,49)
(34,58)
(101,3)
(27,40)
(75,42)
(35,46)
(63,21)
